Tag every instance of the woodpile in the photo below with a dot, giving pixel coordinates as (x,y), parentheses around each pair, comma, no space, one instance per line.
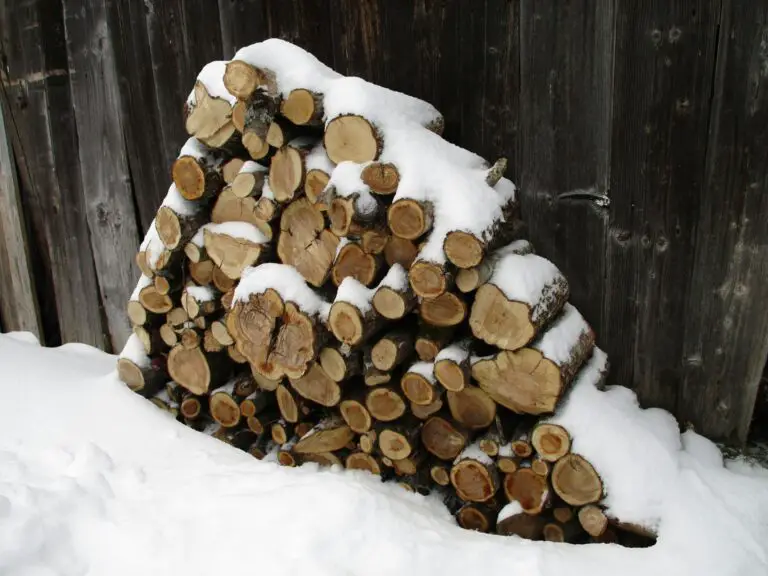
(330,281)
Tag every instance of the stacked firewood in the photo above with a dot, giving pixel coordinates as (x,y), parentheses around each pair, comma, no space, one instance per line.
(330,281)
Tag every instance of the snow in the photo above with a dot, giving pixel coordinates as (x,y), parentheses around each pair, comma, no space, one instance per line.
(199,238)
(354,292)
(201,293)
(266,190)
(425,369)
(249,167)
(556,344)
(135,352)
(193,147)
(396,278)
(241,230)
(111,485)
(457,352)
(523,278)
(505,451)
(152,245)
(512,509)
(473,452)
(317,159)
(343,241)
(212,77)
(180,205)
(143,282)
(287,282)
(346,180)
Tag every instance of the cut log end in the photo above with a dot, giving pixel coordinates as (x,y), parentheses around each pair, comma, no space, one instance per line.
(390,303)
(356,416)
(409,219)
(442,439)
(418,389)
(351,138)
(463,249)
(346,323)
(593,520)
(385,404)
(303,107)
(189,177)
(527,488)
(500,321)
(443,311)
(363,461)
(576,481)
(474,481)
(314,183)
(381,178)
(224,409)
(550,441)
(286,173)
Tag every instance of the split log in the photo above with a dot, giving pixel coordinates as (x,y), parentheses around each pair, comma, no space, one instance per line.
(303,107)
(220,332)
(234,246)
(207,109)
(528,489)
(230,169)
(199,301)
(363,461)
(444,311)
(466,250)
(452,367)
(400,251)
(478,517)
(381,178)
(249,181)
(593,520)
(287,170)
(319,168)
(550,441)
(352,261)
(253,323)
(474,475)
(392,349)
(420,385)
(201,272)
(513,521)
(304,243)
(443,438)
(296,346)
(196,370)
(422,412)
(329,435)
(354,412)
(352,318)
(430,340)
(292,407)
(523,295)
(385,403)
(576,481)
(470,279)
(410,219)
(317,386)
(230,208)
(532,380)
(176,226)
(367,441)
(197,171)
(154,302)
(394,297)
(472,407)
(341,364)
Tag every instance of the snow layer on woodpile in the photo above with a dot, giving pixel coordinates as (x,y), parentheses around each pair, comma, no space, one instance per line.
(354,292)
(152,246)
(143,282)
(266,189)
(180,205)
(194,148)
(112,485)
(249,167)
(287,282)
(201,293)
(523,278)
(512,509)
(199,238)
(396,278)
(135,352)
(425,369)
(457,352)
(473,452)
(558,340)
(345,178)
(241,230)
(317,159)
(212,77)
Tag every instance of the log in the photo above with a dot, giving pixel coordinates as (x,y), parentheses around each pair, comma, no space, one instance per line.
(532,380)
(252,117)
(177,317)
(282,432)
(263,421)
(354,412)
(430,280)
(319,168)
(303,107)
(194,249)
(199,301)
(593,520)
(512,521)
(470,279)
(353,138)
(191,406)
(231,168)
(353,214)
(452,366)
(392,349)
(444,311)
(440,474)
(210,344)
(150,339)
(385,403)
(381,177)
(168,335)
(236,356)
(419,483)
(474,475)
(253,323)
(399,440)
(249,181)
(296,346)
(234,246)
(230,208)
(317,386)
(220,332)
(465,249)
(281,132)
(145,378)
(352,261)
(472,407)
(154,302)
(243,80)
(292,407)
(206,114)
(394,297)
(349,323)
(430,340)
(287,170)
(420,385)
(443,438)
(224,406)
(528,489)
(400,251)
(477,517)
(422,412)
(367,441)
(137,314)
(414,463)
(496,436)
(304,243)
(374,241)
(202,272)
(523,295)
(550,441)
(506,461)
(261,447)
(221,281)
(255,402)
(176,228)
(563,514)
(340,363)
(575,480)
(410,219)
(540,467)
(374,377)
(363,461)
(197,172)
(329,435)
(520,441)
(559,532)
(195,370)
(326,459)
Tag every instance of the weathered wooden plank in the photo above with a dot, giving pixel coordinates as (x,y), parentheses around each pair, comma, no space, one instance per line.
(141,126)
(242,22)
(663,69)
(566,53)
(18,300)
(726,338)
(103,164)
(39,92)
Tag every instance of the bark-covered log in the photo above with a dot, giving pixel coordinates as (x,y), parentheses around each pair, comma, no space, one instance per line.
(385,403)
(381,178)
(444,311)
(399,439)
(470,279)
(352,261)
(563,532)
(256,402)
(472,407)
(155,302)
(513,521)
(262,422)
(197,171)
(420,385)
(496,436)
(480,517)
(341,363)
(303,107)
(550,441)
(394,297)
(474,475)
(195,369)
(224,406)
(393,348)
(199,301)
(576,481)
(400,251)
(329,435)
(422,412)
(528,489)
(410,219)
(145,378)
(287,169)
(440,474)
(452,366)
(430,280)
(175,227)
(432,339)
(593,520)
(443,438)
(262,446)
(355,413)
(249,181)
(317,386)
(350,322)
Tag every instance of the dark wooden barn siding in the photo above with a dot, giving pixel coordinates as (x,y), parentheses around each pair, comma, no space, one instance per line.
(635,130)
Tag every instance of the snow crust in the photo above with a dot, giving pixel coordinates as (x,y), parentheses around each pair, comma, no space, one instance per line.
(396,278)
(317,159)
(180,205)
(135,352)
(346,180)
(212,77)
(523,278)
(558,339)
(241,230)
(457,352)
(201,293)
(354,292)
(287,282)
(105,488)
(425,369)
(143,282)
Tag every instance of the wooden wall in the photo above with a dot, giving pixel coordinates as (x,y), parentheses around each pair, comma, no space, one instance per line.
(637,131)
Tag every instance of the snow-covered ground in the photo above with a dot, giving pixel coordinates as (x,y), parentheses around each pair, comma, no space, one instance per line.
(95,480)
